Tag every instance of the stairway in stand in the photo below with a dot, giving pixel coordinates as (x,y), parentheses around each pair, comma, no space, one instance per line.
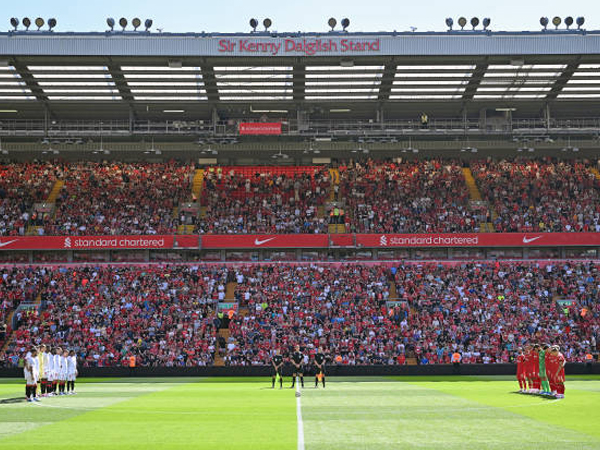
(224,332)
(32,230)
(334,174)
(393,292)
(475,196)
(58,185)
(333,198)
(197,183)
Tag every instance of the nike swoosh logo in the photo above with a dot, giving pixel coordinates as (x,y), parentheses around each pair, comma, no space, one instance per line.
(2,244)
(257,242)
(527,241)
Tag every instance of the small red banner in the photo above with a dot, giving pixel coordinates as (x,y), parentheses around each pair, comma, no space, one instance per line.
(260,128)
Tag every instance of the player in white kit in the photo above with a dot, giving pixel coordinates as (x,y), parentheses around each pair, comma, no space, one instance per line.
(31,375)
(42,361)
(71,372)
(62,371)
(49,369)
(56,368)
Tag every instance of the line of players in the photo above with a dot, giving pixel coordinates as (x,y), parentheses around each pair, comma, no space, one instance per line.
(541,370)
(297,360)
(54,370)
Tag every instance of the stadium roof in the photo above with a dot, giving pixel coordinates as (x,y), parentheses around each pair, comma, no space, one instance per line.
(145,75)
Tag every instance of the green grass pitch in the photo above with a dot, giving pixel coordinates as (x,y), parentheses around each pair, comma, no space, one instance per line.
(367,413)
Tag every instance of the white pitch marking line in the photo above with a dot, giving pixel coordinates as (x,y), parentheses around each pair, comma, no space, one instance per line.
(299,415)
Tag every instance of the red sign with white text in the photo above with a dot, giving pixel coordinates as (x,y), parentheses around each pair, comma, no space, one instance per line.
(478,240)
(300,241)
(96,242)
(260,128)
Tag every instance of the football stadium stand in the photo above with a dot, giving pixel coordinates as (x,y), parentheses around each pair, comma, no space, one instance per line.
(202,199)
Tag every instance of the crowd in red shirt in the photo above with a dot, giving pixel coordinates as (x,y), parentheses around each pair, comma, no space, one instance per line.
(120,198)
(540,195)
(166,315)
(412,196)
(163,316)
(420,196)
(22,185)
(264,201)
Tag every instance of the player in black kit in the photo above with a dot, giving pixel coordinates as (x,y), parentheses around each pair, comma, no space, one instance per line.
(297,361)
(320,367)
(276,365)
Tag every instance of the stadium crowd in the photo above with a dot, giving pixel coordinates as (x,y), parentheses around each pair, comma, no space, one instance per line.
(264,201)
(107,314)
(22,185)
(166,315)
(410,197)
(123,198)
(542,195)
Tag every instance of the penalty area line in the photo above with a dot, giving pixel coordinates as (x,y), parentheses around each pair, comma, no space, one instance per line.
(299,416)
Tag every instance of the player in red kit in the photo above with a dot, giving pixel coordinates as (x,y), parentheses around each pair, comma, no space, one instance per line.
(535,369)
(521,374)
(551,368)
(532,368)
(527,367)
(560,372)
(528,370)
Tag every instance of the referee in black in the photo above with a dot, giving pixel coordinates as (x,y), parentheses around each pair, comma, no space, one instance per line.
(298,370)
(276,364)
(320,367)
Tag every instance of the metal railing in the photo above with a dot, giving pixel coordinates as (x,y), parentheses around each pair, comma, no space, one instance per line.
(312,128)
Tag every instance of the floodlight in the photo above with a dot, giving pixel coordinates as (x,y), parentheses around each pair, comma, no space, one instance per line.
(14,22)
(486,23)
(26,22)
(449,23)
(123,23)
(253,24)
(556,21)
(345,23)
(544,22)
(462,22)
(267,23)
(580,22)
(51,23)
(39,22)
(111,23)
(136,22)
(148,24)
(474,22)
(332,23)
(568,21)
